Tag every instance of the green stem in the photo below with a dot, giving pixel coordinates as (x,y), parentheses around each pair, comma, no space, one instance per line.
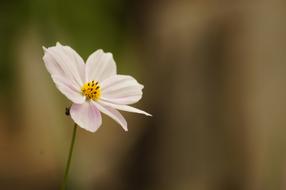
(69,158)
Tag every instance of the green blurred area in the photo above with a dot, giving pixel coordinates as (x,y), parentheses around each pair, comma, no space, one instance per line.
(214,77)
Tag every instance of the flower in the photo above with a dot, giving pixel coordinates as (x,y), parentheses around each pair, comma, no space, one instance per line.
(93,87)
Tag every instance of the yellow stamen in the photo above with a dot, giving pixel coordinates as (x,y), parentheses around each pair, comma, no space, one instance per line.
(91,90)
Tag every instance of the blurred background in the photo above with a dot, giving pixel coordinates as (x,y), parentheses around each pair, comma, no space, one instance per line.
(214,73)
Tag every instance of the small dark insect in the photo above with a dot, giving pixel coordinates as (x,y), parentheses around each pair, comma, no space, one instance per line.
(67,112)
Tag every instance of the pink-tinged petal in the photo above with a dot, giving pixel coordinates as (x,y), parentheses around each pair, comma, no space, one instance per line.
(76,58)
(86,115)
(68,89)
(99,66)
(121,89)
(123,107)
(114,114)
(51,64)
(65,62)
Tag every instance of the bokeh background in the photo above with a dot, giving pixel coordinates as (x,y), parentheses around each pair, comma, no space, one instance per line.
(215,81)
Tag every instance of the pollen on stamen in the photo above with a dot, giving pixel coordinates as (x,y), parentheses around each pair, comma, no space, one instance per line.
(91,90)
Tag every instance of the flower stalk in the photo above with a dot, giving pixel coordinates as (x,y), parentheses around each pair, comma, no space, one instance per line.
(69,158)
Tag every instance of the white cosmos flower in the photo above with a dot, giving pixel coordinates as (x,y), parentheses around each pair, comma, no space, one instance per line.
(93,87)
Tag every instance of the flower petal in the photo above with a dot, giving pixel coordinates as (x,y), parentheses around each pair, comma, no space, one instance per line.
(113,113)
(68,89)
(86,115)
(64,61)
(121,89)
(100,66)
(123,107)
(76,58)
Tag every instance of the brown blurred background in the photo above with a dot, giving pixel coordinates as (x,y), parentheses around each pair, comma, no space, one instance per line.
(215,81)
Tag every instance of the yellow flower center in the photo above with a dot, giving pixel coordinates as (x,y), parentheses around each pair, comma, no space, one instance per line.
(91,90)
